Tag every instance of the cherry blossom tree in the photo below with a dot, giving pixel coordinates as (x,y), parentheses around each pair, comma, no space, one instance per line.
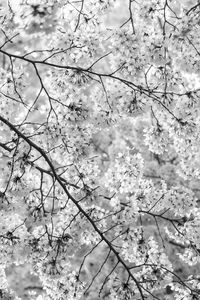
(100,148)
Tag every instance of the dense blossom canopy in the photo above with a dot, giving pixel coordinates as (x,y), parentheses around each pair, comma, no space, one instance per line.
(100,148)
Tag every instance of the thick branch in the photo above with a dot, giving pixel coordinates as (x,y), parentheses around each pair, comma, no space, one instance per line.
(79,207)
